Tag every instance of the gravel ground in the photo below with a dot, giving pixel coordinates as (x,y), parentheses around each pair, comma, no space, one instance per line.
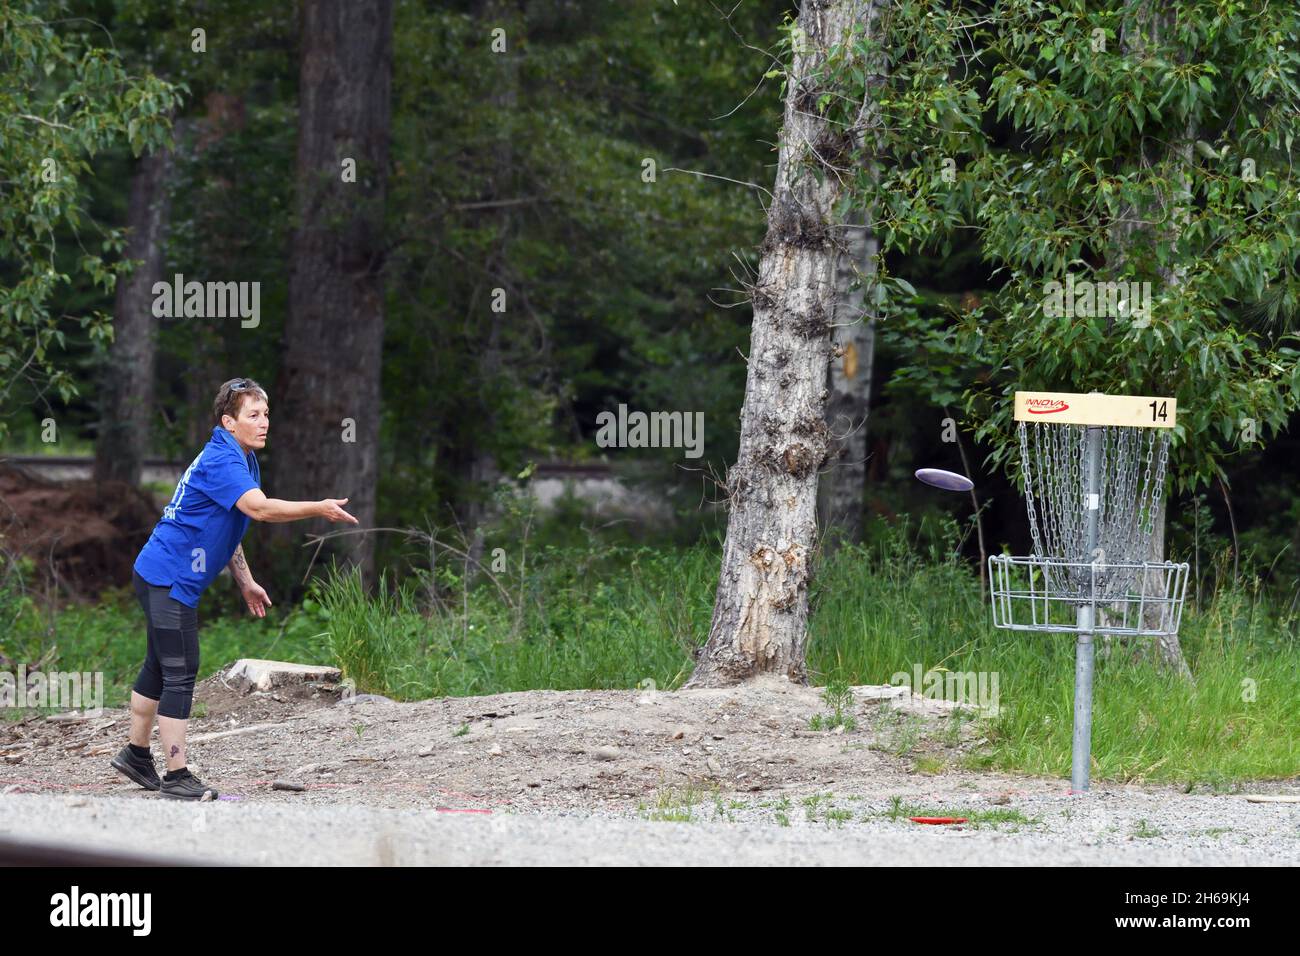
(605,777)
(1098,831)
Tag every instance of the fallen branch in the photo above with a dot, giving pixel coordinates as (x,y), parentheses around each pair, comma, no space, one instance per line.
(203,738)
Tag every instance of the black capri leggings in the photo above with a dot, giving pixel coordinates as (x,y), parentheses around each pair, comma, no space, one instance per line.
(172,661)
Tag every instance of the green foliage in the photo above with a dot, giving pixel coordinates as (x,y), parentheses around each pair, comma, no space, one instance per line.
(1124,163)
(1107,139)
(64,99)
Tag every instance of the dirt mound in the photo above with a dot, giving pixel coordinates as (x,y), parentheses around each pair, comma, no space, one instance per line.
(542,749)
(82,535)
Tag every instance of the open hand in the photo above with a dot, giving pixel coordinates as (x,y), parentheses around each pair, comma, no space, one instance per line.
(333,510)
(257,599)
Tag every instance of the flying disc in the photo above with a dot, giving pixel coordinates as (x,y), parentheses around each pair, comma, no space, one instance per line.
(947,480)
(937,819)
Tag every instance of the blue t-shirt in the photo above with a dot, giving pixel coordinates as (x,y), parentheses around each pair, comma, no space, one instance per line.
(201,527)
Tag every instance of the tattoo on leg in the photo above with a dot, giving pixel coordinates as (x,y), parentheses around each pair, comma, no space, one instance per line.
(175,750)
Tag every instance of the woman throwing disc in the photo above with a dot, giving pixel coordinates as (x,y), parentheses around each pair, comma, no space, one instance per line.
(198,535)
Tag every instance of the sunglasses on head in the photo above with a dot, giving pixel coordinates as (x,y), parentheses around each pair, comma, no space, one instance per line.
(239,385)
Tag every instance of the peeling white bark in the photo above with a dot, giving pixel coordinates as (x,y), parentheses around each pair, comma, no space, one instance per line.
(760,613)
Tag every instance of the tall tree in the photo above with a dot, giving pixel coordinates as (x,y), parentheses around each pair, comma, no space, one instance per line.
(760,612)
(127,403)
(849,380)
(327,397)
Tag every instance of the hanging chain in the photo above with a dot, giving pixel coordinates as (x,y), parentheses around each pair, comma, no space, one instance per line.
(1029,486)
(1054,464)
(1158,488)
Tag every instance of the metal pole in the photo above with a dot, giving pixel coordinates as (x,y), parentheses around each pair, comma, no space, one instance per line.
(1081,750)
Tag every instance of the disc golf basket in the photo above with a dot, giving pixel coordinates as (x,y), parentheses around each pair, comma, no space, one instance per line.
(1093,467)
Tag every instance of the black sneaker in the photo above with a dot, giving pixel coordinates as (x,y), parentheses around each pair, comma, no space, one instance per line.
(187,787)
(139,769)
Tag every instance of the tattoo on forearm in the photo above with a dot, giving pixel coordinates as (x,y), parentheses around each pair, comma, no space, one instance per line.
(239,567)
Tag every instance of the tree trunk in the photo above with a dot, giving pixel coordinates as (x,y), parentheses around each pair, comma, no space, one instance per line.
(850,375)
(483,470)
(326,442)
(127,412)
(760,612)
(1167,650)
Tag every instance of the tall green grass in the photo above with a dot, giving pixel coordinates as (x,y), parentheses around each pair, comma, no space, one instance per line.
(888,609)
(585,619)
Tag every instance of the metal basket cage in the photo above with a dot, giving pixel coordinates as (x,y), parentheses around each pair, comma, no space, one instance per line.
(1046,594)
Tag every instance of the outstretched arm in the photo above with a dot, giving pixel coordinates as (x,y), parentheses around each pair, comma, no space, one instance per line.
(257,506)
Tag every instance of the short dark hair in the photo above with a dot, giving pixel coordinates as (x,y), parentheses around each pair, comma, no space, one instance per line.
(232,394)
